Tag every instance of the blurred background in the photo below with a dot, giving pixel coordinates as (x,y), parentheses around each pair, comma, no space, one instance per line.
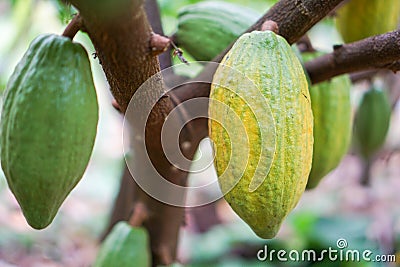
(340,207)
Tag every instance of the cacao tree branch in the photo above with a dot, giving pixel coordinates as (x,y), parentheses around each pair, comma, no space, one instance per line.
(377,52)
(122,39)
(124,202)
(296,17)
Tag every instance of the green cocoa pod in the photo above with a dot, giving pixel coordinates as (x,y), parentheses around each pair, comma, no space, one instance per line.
(125,246)
(48,126)
(205,29)
(274,148)
(372,121)
(331,106)
(359,19)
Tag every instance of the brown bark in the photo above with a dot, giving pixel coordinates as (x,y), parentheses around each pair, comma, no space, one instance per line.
(381,51)
(123,205)
(296,17)
(123,47)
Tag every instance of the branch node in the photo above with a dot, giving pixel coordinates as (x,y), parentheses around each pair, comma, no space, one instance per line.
(158,44)
(376,52)
(270,25)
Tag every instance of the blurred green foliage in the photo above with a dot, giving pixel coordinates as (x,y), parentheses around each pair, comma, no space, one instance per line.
(65,11)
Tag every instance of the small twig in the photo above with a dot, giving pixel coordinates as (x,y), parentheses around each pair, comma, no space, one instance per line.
(159,44)
(179,53)
(74,26)
(139,215)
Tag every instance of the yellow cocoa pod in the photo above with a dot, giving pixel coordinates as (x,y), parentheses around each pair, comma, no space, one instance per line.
(359,19)
(261,125)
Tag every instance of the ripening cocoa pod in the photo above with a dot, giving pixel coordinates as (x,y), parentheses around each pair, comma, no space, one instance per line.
(261,125)
(372,121)
(359,19)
